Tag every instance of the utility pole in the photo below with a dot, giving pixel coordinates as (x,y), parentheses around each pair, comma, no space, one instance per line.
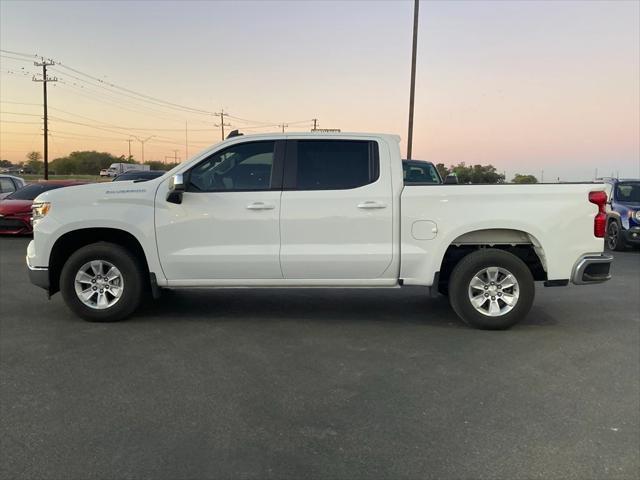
(412,90)
(283,126)
(142,142)
(315,124)
(175,156)
(222,124)
(542,176)
(129,142)
(44,64)
(186,140)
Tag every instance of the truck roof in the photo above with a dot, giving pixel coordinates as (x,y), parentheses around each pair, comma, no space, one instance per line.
(278,136)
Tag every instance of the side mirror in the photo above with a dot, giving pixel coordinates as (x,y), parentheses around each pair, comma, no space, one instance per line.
(176,188)
(451,180)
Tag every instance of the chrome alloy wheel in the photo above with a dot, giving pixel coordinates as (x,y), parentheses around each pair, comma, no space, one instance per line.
(494,291)
(99,284)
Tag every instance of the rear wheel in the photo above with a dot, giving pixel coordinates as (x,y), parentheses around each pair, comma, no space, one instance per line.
(102,282)
(614,239)
(491,289)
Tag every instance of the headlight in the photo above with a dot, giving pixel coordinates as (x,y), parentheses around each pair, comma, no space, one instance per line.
(637,215)
(39,210)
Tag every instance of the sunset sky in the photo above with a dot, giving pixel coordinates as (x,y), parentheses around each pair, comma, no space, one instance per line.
(526,86)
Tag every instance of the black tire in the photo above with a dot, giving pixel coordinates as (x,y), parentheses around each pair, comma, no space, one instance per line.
(614,239)
(466,270)
(124,261)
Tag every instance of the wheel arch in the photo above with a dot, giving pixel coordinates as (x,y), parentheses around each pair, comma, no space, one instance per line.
(520,243)
(71,241)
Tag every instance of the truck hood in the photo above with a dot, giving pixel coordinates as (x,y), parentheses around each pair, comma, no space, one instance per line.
(103,191)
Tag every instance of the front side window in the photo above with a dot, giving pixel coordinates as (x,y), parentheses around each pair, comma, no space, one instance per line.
(335,164)
(242,167)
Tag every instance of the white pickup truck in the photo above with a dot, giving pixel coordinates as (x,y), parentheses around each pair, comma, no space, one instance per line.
(315,210)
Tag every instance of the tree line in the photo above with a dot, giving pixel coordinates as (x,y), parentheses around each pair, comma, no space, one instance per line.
(480,174)
(87,162)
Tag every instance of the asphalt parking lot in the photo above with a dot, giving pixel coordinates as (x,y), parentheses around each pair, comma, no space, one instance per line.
(319,384)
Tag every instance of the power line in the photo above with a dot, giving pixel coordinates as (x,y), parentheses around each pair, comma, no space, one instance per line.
(142,95)
(29,55)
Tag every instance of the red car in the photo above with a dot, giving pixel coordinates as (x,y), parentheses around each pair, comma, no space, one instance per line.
(15,209)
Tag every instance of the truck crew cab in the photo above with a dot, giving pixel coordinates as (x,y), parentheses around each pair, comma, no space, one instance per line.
(315,210)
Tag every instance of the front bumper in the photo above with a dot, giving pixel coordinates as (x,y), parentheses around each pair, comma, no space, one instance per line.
(39,276)
(631,236)
(593,268)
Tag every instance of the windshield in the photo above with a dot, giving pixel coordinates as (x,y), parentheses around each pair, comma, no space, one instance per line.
(416,172)
(31,191)
(628,192)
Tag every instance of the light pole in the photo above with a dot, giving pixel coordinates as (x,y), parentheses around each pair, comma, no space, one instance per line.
(412,91)
(142,141)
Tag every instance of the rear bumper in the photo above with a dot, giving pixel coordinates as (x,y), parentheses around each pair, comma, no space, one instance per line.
(592,269)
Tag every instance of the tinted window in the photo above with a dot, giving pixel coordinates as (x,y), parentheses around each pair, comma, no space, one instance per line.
(31,191)
(335,164)
(6,185)
(247,166)
(419,173)
(628,192)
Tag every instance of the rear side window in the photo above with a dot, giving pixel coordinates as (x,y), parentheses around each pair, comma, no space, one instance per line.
(6,185)
(332,164)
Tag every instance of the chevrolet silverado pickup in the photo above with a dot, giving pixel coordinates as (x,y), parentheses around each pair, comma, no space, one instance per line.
(315,210)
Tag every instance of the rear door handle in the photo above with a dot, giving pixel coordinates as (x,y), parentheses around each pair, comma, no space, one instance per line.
(260,206)
(369,205)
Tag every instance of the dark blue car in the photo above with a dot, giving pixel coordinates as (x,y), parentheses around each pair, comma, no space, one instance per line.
(623,214)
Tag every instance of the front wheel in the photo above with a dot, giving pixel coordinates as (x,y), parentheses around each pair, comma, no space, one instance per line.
(102,282)
(491,289)
(614,239)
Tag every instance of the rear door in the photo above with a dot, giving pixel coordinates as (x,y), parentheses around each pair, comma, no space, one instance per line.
(336,211)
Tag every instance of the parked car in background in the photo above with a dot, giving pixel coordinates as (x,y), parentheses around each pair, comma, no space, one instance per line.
(15,209)
(420,172)
(117,168)
(104,172)
(9,184)
(623,214)
(139,176)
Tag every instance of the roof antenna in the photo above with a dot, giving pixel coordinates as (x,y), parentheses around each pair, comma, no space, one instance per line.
(234,133)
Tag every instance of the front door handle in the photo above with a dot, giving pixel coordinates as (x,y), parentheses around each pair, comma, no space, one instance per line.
(260,206)
(369,205)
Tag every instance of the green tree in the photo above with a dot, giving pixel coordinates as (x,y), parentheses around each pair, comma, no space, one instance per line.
(442,170)
(34,163)
(477,173)
(85,163)
(157,165)
(6,164)
(524,179)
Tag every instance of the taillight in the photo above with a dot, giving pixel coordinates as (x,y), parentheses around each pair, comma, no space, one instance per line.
(600,220)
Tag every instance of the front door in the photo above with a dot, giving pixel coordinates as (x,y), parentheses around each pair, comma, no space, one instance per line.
(227,224)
